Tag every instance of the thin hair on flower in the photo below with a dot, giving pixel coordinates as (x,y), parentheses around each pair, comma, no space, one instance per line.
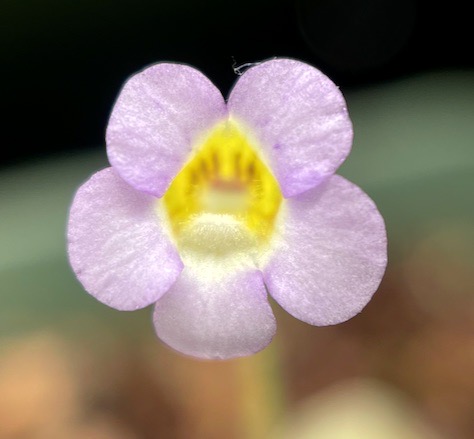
(208,204)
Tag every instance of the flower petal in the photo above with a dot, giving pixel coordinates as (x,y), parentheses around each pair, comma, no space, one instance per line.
(159,115)
(332,254)
(117,247)
(298,116)
(221,318)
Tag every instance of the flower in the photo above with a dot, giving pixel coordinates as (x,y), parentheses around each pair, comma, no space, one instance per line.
(208,205)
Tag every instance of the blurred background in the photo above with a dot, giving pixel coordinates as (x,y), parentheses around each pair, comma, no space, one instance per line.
(72,368)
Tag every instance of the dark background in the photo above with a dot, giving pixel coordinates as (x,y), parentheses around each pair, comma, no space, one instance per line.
(65,61)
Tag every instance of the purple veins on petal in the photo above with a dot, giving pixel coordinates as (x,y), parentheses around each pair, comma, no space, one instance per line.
(117,249)
(332,254)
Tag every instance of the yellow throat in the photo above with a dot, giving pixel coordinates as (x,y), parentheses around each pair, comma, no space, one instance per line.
(224,192)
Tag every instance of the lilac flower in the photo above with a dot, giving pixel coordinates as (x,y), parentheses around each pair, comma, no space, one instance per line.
(208,205)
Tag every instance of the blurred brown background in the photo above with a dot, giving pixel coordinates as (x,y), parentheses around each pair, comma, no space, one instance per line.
(72,368)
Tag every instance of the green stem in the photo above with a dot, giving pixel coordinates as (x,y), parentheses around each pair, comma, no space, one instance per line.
(261,392)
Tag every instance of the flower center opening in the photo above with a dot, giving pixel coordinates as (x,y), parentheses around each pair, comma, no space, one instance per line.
(224,199)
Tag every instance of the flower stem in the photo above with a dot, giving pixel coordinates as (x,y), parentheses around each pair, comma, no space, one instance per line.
(261,392)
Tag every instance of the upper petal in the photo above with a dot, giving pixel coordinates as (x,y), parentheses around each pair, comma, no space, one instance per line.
(332,254)
(298,116)
(216,317)
(159,115)
(117,247)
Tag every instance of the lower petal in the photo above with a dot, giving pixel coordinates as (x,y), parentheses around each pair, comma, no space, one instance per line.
(332,254)
(116,245)
(215,316)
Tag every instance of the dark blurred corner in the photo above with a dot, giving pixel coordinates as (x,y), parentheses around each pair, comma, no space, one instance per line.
(64,61)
